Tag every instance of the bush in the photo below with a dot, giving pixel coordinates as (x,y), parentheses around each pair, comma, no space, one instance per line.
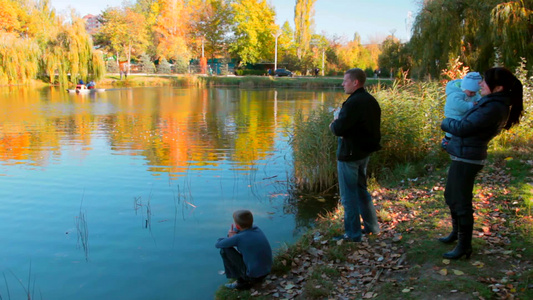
(112,66)
(163,67)
(181,66)
(245,72)
(147,66)
(410,130)
(369,73)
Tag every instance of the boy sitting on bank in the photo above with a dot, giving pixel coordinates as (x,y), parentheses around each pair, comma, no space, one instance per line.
(251,262)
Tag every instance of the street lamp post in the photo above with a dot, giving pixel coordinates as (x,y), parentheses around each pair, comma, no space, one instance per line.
(276,35)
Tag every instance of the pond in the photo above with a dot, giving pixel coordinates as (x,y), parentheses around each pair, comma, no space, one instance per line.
(122,194)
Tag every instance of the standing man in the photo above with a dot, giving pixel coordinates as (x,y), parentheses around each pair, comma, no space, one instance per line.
(358,129)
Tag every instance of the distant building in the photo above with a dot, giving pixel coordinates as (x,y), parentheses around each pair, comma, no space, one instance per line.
(92,25)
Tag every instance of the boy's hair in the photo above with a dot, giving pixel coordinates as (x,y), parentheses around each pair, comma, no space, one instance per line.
(243,218)
(357,74)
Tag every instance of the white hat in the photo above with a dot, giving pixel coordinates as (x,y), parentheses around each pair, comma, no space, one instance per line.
(471,82)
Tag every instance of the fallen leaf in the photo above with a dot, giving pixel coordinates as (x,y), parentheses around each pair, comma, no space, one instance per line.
(407,290)
(443,272)
(458,272)
(397,238)
(446,261)
(289,286)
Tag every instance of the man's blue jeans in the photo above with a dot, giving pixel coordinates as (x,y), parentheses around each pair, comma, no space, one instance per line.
(355,198)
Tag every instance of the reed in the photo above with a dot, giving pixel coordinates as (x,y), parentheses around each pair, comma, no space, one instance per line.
(7,287)
(410,126)
(314,151)
(83,233)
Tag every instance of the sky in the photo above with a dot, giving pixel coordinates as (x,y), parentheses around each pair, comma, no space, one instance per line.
(373,20)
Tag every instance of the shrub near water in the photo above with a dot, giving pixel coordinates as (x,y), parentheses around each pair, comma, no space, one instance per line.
(314,151)
(410,128)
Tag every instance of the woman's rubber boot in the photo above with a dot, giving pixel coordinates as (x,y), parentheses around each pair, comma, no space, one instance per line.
(452,237)
(464,236)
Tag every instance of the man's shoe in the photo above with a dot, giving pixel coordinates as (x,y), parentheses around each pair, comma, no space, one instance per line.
(232,286)
(345,238)
(238,286)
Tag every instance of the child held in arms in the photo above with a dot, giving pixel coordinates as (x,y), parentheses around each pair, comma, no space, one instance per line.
(245,252)
(461,96)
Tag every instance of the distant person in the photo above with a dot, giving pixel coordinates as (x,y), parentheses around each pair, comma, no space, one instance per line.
(316,72)
(461,96)
(80,85)
(245,252)
(91,85)
(500,107)
(358,129)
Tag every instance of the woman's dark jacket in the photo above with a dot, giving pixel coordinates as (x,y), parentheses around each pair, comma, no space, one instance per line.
(473,132)
(358,125)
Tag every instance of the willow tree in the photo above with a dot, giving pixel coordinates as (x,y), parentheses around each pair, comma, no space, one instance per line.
(18,59)
(512,30)
(69,51)
(303,20)
(470,29)
(19,51)
(253,24)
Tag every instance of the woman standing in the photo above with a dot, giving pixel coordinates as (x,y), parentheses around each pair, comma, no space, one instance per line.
(501,107)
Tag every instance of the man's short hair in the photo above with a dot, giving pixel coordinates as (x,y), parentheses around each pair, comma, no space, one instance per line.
(357,74)
(243,218)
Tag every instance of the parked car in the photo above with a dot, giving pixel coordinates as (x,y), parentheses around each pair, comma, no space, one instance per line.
(283,72)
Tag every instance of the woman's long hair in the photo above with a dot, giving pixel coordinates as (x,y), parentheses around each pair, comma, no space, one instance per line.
(502,77)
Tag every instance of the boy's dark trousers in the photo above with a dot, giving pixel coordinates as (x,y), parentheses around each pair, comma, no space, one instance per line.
(235,268)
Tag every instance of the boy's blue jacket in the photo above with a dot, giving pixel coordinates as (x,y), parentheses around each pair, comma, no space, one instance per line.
(255,249)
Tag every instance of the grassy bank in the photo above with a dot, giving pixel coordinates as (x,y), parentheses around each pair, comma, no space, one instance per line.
(233,81)
(292,82)
(404,260)
(134,80)
(407,184)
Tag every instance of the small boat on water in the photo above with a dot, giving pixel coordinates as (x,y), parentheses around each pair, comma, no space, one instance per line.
(84,90)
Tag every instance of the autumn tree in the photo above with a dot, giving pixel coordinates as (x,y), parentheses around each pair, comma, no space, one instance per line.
(353,54)
(171,30)
(210,24)
(253,24)
(303,21)
(319,44)
(393,57)
(123,32)
(150,10)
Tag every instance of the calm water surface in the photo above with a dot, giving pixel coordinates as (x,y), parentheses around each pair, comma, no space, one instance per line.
(122,194)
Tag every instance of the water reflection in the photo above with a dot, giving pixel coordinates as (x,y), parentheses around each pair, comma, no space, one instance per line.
(173,128)
(185,158)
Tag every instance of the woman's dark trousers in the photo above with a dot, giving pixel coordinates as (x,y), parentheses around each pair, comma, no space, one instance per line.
(458,195)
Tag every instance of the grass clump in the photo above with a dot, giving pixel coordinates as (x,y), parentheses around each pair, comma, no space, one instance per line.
(315,163)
